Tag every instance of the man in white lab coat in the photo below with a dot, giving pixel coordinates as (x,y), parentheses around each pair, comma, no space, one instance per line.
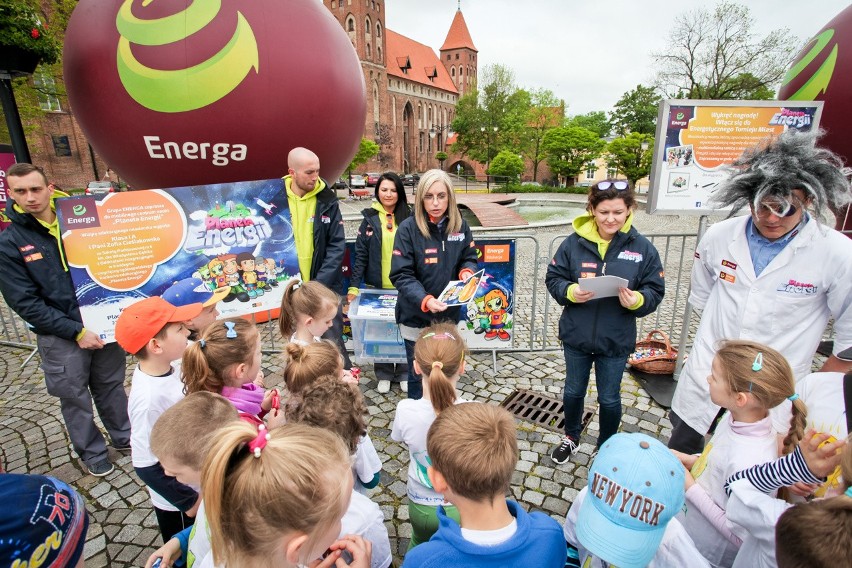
(775,276)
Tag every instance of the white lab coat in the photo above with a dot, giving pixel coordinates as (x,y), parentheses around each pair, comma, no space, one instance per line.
(787,307)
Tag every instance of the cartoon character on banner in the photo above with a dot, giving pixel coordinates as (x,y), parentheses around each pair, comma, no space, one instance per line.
(213,117)
(822,71)
(477,315)
(496,306)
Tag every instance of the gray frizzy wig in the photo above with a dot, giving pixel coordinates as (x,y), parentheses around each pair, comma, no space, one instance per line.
(777,167)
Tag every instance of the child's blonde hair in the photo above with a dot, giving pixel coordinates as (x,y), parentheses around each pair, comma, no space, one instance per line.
(818,534)
(767,377)
(421,217)
(307,362)
(475,447)
(333,405)
(306,299)
(223,344)
(183,431)
(298,483)
(439,353)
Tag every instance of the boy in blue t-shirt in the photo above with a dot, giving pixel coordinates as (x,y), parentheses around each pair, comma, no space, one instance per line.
(474,450)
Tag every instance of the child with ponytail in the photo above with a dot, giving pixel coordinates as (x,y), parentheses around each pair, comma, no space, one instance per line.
(747,379)
(439,358)
(226,360)
(275,498)
(305,365)
(307,311)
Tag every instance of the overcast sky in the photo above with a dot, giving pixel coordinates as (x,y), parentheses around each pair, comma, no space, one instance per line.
(588,52)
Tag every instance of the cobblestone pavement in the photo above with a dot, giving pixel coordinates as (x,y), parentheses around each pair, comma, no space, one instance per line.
(123,529)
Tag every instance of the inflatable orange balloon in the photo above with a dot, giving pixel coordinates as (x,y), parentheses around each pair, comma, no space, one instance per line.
(191,92)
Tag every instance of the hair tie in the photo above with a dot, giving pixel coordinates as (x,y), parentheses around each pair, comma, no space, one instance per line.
(443,335)
(231,333)
(793,397)
(297,285)
(848,491)
(437,364)
(259,442)
(202,343)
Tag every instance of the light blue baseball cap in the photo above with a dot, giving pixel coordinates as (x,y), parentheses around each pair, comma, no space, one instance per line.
(635,488)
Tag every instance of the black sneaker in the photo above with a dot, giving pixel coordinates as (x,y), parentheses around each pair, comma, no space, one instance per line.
(563,451)
(101,468)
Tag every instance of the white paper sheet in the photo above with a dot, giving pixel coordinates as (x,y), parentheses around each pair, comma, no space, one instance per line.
(602,286)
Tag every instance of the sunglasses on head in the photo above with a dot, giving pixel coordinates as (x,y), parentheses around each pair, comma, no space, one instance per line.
(389,218)
(617,185)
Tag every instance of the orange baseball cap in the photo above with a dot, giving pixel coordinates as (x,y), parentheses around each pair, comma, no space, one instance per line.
(138,323)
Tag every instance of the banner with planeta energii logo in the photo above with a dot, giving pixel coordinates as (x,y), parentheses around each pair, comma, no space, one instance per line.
(193,92)
(231,237)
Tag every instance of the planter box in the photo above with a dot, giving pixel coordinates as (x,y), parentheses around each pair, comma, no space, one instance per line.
(17,62)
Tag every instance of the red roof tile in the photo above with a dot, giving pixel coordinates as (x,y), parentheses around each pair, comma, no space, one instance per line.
(422,60)
(458,36)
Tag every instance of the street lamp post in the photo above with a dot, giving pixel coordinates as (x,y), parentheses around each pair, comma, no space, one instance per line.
(434,130)
(644,146)
(488,154)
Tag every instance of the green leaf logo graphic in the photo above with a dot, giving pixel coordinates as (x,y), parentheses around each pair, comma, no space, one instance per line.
(679,116)
(79,210)
(188,89)
(818,82)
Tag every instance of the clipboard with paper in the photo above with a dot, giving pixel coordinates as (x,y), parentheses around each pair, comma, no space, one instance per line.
(602,286)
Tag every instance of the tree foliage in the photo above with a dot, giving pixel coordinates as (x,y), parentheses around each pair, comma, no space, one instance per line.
(545,112)
(716,55)
(626,155)
(569,148)
(507,164)
(596,121)
(636,111)
(366,150)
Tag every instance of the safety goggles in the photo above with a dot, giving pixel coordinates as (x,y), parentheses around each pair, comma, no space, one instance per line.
(618,185)
(389,219)
(779,208)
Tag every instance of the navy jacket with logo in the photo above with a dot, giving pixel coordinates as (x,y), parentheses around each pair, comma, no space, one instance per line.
(35,283)
(422,266)
(603,326)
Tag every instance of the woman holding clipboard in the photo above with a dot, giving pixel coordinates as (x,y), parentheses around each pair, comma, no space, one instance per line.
(601,330)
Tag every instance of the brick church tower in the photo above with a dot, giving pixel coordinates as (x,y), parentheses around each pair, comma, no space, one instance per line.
(411,91)
(458,54)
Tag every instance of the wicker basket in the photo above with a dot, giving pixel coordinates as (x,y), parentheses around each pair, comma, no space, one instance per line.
(654,354)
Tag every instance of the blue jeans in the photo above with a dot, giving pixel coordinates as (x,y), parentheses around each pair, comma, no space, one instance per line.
(608,372)
(415,381)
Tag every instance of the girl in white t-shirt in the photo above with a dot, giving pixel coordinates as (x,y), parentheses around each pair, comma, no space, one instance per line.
(439,359)
(307,311)
(747,379)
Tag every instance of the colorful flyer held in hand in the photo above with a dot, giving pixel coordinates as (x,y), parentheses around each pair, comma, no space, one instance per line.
(697,141)
(460,292)
(130,245)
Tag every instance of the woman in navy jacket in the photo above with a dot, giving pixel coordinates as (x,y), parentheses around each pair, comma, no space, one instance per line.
(373,254)
(601,331)
(431,248)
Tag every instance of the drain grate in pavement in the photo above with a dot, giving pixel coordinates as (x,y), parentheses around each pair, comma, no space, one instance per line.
(541,410)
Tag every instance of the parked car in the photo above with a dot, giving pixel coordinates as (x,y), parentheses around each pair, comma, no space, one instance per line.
(357,181)
(410,179)
(340,184)
(101,187)
(373,178)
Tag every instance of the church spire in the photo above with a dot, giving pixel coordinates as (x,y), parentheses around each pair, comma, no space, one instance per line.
(458,37)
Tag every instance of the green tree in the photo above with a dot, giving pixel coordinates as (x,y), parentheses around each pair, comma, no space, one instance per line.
(366,150)
(626,155)
(636,111)
(507,164)
(441,156)
(710,55)
(569,148)
(496,103)
(546,111)
(596,121)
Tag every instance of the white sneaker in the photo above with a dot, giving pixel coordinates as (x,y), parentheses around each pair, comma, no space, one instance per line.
(383,387)
(403,386)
